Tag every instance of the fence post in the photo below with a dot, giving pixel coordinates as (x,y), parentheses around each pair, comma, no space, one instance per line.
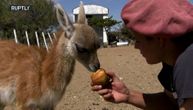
(37,39)
(54,36)
(15,36)
(43,35)
(50,37)
(26,34)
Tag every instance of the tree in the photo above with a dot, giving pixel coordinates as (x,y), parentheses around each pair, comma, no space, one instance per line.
(39,18)
(126,34)
(107,23)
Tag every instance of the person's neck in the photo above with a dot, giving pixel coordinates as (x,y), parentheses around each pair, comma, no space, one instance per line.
(171,56)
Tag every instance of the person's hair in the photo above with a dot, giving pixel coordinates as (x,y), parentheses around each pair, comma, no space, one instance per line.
(182,42)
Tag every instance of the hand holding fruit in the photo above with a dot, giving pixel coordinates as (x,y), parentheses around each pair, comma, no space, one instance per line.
(109,86)
(100,77)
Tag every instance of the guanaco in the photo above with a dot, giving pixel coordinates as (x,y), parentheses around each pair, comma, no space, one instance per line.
(32,78)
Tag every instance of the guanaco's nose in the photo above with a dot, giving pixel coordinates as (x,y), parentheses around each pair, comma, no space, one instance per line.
(94,67)
(97,66)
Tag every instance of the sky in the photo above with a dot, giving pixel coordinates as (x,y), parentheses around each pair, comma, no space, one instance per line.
(114,6)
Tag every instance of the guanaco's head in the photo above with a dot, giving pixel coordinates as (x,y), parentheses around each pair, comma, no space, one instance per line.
(83,41)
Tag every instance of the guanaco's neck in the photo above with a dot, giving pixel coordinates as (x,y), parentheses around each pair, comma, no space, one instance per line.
(58,66)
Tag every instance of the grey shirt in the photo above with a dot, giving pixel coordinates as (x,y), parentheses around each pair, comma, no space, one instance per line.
(183,75)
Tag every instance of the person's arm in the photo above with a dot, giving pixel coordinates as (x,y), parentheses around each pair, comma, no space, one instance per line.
(119,93)
(156,101)
(159,101)
(187,105)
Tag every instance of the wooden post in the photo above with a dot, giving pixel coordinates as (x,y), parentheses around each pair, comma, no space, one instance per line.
(15,36)
(54,36)
(50,37)
(37,39)
(43,35)
(26,34)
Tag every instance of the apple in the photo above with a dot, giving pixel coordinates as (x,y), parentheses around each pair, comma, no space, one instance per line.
(100,77)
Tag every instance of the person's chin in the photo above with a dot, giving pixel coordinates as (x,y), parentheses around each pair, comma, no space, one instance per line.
(152,62)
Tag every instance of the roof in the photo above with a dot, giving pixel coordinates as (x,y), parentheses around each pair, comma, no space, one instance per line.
(92,9)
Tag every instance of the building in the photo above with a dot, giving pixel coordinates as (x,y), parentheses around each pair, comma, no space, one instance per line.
(97,11)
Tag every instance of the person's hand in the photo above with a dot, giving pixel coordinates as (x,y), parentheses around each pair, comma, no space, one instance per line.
(116,92)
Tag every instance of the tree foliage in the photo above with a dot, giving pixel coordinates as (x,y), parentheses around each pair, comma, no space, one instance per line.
(39,18)
(122,33)
(107,23)
(126,33)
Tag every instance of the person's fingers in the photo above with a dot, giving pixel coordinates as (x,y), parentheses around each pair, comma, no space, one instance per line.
(107,96)
(115,83)
(104,91)
(96,87)
(113,76)
(118,86)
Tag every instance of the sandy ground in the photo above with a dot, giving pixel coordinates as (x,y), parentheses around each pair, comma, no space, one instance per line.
(127,63)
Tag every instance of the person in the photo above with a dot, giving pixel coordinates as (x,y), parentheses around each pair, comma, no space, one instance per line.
(163,30)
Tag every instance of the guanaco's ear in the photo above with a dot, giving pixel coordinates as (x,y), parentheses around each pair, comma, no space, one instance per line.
(82,16)
(64,21)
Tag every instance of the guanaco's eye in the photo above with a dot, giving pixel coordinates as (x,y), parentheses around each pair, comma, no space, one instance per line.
(81,49)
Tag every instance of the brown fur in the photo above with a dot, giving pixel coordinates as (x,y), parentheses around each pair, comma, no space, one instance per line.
(33,79)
